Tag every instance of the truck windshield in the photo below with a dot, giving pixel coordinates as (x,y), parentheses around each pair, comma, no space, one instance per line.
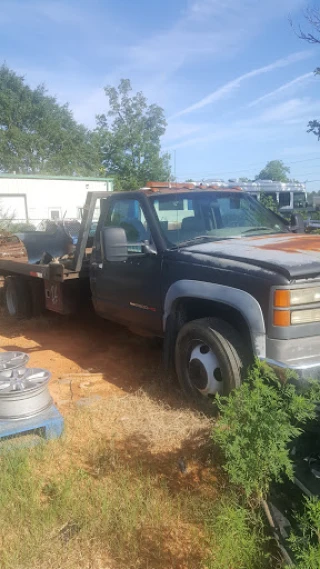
(185,217)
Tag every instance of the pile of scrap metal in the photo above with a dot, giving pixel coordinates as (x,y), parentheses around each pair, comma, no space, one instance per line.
(12,248)
(287,500)
(52,239)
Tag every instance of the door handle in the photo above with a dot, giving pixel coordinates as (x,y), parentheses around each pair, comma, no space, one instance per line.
(95,265)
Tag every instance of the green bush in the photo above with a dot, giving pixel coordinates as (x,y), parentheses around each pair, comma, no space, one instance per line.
(256,425)
(306,543)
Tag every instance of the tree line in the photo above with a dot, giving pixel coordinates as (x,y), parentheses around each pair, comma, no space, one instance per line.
(38,135)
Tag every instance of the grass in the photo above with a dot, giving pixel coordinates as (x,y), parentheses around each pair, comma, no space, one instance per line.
(238,537)
(132,484)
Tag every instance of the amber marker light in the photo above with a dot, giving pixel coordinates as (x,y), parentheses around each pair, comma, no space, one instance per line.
(281,318)
(281,298)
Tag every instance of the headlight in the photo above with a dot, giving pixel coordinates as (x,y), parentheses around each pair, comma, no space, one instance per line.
(304,296)
(305,316)
(285,300)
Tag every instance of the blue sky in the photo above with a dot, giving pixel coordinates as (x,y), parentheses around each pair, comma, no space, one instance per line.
(234,80)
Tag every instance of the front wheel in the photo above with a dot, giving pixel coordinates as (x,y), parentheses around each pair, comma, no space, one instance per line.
(208,359)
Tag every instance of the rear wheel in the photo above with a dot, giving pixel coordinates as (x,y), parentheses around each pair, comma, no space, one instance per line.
(209,360)
(37,297)
(17,296)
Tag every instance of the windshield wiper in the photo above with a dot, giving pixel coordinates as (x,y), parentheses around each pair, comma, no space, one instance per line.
(260,228)
(200,238)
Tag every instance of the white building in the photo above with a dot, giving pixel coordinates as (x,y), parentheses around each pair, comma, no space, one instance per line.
(34,198)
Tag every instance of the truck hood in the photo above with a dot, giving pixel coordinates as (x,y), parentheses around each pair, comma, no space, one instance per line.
(293,255)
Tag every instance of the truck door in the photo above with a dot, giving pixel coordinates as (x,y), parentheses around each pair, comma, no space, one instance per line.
(128,291)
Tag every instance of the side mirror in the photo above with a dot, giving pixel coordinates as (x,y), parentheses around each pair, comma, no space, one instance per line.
(114,244)
(297,223)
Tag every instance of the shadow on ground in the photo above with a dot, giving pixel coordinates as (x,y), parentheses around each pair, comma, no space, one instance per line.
(78,347)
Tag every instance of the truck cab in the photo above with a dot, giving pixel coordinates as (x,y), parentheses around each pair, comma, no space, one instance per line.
(216,274)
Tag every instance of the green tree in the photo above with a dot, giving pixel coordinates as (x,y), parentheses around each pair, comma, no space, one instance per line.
(130,142)
(39,136)
(274,170)
(269,202)
(312,35)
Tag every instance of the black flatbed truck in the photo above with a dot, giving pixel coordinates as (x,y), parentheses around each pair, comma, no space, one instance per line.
(214,273)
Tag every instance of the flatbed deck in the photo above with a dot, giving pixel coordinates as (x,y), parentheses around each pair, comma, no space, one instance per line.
(59,270)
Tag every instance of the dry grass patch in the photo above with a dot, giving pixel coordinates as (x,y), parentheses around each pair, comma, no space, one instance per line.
(126,487)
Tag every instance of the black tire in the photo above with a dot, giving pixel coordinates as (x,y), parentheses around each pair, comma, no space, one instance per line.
(224,342)
(37,297)
(18,299)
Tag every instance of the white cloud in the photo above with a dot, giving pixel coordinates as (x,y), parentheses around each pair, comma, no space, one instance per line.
(298,81)
(276,120)
(209,29)
(292,109)
(233,85)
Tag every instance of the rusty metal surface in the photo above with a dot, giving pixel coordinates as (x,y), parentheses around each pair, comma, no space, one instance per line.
(291,254)
(175,187)
(291,243)
(12,249)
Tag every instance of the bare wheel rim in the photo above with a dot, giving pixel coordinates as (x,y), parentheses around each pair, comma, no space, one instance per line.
(24,393)
(11,360)
(23,379)
(204,370)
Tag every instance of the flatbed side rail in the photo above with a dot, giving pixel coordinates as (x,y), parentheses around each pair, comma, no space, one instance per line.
(23,268)
(87,218)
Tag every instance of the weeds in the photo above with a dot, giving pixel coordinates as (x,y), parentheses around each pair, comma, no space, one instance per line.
(257,423)
(305,543)
(238,538)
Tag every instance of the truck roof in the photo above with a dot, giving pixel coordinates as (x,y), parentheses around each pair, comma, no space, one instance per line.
(177,187)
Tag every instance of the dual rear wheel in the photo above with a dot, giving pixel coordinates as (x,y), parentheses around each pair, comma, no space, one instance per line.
(23,297)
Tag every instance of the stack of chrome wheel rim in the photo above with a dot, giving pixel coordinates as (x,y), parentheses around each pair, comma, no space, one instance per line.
(24,392)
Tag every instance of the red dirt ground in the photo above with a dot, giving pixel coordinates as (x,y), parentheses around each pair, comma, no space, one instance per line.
(89,358)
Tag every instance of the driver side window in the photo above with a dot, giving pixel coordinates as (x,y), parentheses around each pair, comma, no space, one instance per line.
(128,214)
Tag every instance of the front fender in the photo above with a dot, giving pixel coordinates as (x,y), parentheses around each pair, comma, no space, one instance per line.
(238,299)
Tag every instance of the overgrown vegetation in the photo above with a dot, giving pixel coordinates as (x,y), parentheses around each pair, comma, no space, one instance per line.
(257,423)
(306,543)
(238,538)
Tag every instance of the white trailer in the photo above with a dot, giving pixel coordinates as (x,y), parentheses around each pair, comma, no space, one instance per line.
(34,198)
